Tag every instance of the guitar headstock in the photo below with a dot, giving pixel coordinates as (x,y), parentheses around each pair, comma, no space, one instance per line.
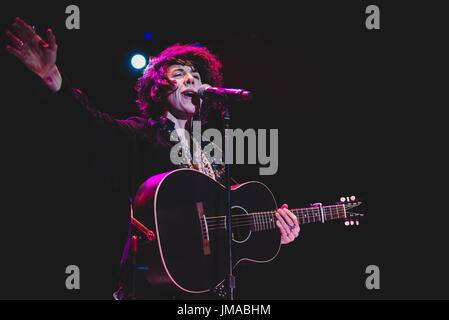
(351,202)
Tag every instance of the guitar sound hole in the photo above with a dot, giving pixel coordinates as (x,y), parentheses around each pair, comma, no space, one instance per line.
(241,224)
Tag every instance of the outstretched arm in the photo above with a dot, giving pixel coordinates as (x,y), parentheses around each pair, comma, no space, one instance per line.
(109,143)
(37,55)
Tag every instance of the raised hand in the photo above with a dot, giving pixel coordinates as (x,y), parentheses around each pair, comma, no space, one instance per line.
(37,55)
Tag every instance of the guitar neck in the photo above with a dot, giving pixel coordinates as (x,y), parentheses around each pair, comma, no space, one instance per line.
(314,214)
(267,220)
(260,221)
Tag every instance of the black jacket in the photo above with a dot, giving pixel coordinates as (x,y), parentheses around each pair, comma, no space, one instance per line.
(72,171)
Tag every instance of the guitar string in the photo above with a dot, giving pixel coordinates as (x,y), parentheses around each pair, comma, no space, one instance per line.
(265,217)
(256,228)
(218,225)
(264,220)
(260,220)
(327,211)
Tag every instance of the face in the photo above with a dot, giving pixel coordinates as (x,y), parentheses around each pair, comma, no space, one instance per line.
(183,101)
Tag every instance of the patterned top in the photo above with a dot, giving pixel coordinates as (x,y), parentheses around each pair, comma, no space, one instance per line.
(200,161)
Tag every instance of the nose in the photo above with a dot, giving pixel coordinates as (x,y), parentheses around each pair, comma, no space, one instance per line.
(189,79)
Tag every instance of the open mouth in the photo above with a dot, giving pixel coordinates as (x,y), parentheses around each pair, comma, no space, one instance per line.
(189,93)
(192,95)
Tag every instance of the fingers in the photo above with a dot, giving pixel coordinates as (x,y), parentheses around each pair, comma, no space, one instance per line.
(13,51)
(287,224)
(51,39)
(16,42)
(285,237)
(25,37)
(290,219)
(24,30)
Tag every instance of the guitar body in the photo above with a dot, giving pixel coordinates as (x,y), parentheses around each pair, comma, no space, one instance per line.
(186,211)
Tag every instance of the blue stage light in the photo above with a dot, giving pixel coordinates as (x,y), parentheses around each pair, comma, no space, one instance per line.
(148,35)
(138,61)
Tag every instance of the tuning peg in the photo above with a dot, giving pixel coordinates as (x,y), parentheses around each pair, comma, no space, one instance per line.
(348,199)
(352,222)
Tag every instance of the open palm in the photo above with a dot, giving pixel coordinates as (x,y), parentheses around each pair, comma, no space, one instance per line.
(37,55)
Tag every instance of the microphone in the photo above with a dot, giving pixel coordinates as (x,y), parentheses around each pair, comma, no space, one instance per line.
(206,90)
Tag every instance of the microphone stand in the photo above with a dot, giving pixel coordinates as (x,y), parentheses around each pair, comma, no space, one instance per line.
(245,96)
(231,277)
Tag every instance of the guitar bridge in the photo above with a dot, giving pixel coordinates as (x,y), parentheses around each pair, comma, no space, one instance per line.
(204,228)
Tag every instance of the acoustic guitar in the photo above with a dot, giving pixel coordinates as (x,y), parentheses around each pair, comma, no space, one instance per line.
(183,213)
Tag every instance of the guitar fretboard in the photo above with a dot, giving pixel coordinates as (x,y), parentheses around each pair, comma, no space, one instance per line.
(259,221)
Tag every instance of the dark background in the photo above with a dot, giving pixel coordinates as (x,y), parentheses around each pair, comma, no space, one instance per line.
(345,101)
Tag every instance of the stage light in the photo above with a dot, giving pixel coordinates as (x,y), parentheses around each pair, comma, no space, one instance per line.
(138,61)
(148,35)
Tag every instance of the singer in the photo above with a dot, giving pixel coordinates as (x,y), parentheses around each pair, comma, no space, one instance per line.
(137,148)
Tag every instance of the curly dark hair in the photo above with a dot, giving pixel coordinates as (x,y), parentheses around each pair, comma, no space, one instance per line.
(154,83)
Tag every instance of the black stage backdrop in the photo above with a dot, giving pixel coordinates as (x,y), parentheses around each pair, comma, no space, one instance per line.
(342,97)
